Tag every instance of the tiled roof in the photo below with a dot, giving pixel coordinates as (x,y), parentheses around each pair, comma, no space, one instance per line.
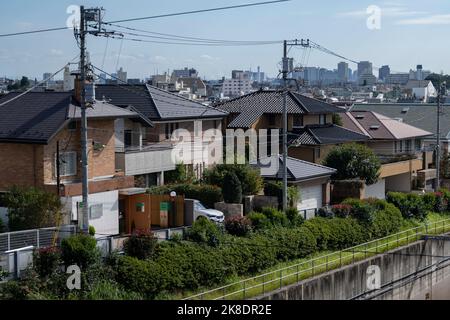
(325,134)
(37,116)
(382,127)
(34,117)
(419,115)
(297,170)
(155,103)
(251,106)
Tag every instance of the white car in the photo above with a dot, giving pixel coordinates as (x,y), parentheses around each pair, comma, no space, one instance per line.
(201,211)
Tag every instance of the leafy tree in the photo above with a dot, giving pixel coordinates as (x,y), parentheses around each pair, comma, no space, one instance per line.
(249,177)
(24,82)
(232,189)
(179,175)
(31,208)
(437,79)
(354,161)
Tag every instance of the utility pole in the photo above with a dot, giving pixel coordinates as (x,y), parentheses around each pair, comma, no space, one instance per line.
(441,93)
(286,69)
(84,135)
(92,15)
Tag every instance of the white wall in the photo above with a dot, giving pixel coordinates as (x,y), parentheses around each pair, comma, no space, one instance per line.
(108,223)
(376,190)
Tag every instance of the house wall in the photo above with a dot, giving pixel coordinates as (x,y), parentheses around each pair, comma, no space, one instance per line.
(376,190)
(101,162)
(381,147)
(108,223)
(21,164)
(308,119)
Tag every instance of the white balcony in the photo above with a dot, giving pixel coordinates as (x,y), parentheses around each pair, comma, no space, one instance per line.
(149,159)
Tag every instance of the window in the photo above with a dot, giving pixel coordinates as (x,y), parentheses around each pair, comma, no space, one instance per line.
(72,125)
(418,144)
(408,146)
(128,138)
(322,118)
(167,129)
(298,121)
(95,211)
(67,164)
(401,145)
(317,155)
(271,119)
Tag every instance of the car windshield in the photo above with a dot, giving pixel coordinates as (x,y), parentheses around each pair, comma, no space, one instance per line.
(200,206)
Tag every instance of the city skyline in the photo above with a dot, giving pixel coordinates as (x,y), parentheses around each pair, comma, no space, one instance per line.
(33,55)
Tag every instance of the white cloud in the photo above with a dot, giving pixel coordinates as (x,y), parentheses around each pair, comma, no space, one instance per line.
(388,11)
(208,57)
(56,52)
(438,19)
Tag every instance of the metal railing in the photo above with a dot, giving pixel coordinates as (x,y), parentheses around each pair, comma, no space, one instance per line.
(276,279)
(36,237)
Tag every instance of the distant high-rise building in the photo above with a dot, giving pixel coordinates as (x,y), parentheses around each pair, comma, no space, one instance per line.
(364,67)
(122,75)
(384,72)
(398,78)
(68,80)
(419,74)
(185,73)
(343,71)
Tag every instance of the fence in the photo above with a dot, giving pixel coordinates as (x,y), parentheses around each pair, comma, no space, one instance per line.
(37,237)
(16,248)
(274,280)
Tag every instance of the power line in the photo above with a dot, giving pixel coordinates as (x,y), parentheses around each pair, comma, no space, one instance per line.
(185,38)
(199,11)
(149,17)
(198,44)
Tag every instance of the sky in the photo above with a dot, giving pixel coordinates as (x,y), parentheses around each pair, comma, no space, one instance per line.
(407,33)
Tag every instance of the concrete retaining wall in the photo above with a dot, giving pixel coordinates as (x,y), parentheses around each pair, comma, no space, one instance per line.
(350,281)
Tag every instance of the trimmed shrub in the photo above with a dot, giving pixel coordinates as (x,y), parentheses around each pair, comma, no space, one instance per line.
(80,249)
(291,243)
(204,231)
(232,189)
(238,226)
(46,261)
(206,194)
(386,221)
(141,244)
(320,229)
(276,217)
(189,265)
(345,233)
(110,290)
(142,276)
(410,205)
(294,217)
(259,220)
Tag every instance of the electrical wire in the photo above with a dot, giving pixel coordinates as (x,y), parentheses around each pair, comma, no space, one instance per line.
(35,86)
(200,11)
(151,17)
(168,36)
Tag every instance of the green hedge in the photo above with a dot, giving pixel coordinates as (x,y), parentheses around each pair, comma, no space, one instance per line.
(412,206)
(206,194)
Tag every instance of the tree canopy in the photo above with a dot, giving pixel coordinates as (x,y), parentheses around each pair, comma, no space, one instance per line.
(353,161)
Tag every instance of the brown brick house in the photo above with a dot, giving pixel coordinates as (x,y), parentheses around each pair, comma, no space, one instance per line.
(32,129)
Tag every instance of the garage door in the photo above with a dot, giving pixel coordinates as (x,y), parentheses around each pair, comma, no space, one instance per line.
(311,197)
